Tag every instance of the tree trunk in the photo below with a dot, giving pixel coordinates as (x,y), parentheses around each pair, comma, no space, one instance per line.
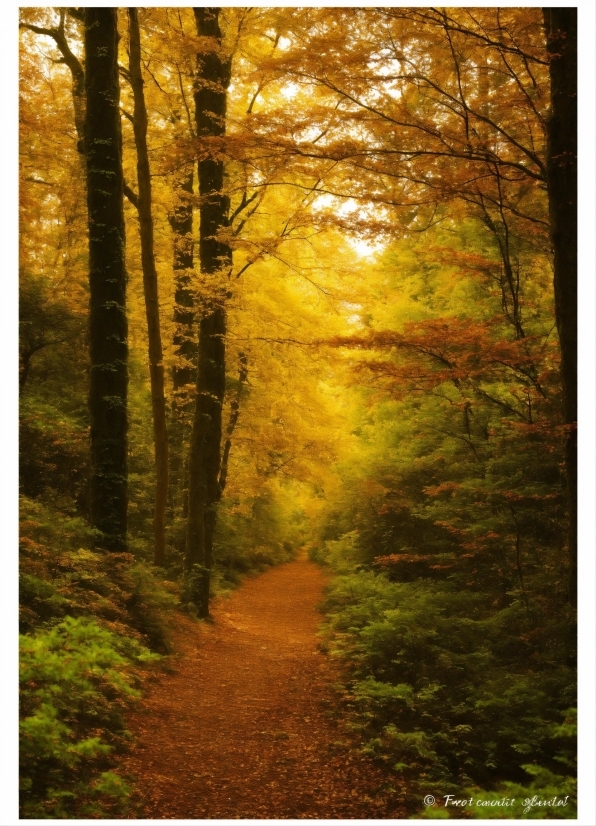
(185,341)
(156,368)
(108,329)
(561,30)
(233,421)
(185,344)
(213,75)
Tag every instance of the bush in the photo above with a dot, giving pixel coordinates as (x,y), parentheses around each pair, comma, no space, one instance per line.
(343,555)
(444,688)
(60,576)
(53,452)
(76,681)
(148,606)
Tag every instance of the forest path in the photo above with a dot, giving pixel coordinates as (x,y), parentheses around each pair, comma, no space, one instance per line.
(243,727)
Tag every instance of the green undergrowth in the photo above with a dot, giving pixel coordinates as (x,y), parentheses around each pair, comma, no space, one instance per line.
(452,694)
(92,627)
(77,680)
(61,575)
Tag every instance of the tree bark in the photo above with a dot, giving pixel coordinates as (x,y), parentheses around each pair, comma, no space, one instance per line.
(184,339)
(185,344)
(108,329)
(561,31)
(233,421)
(156,368)
(213,76)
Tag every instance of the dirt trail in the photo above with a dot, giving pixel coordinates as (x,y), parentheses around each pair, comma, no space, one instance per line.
(242,727)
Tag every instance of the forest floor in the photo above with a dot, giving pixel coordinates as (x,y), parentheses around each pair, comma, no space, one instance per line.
(245,722)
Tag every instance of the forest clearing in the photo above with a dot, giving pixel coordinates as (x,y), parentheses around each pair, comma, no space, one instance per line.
(298,413)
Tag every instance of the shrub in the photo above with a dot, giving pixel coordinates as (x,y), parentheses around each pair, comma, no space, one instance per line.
(77,679)
(148,606)
(60,575)
(444,688)
(53,454)
(343,554)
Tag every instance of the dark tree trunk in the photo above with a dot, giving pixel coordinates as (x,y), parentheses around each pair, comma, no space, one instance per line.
(185,341)
(24,368)
(108,329)
(561,31)
(156,368)
(184,370)
(233,421)
(213,75)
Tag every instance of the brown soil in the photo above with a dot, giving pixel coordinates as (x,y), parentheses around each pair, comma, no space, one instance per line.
(244,725)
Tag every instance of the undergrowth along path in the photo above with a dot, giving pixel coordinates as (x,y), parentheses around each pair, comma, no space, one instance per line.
(245,723)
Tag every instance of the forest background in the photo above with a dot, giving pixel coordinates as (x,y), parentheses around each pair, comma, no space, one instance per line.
(587,483)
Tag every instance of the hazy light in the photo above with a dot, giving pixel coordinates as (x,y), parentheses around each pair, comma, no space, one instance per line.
(365,249)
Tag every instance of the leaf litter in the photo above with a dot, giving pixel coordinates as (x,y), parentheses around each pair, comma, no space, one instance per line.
(246,723)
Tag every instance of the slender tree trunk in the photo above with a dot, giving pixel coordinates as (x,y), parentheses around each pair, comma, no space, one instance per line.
(156,368)
(185,340)
(561,30)
(213,75)
(233,421)
(185,343)
(24,367)
(108,329)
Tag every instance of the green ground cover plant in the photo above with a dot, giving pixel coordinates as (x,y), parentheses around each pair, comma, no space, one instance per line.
(77,679)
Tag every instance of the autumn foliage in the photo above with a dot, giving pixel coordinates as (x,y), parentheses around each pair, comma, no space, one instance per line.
(347,333)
